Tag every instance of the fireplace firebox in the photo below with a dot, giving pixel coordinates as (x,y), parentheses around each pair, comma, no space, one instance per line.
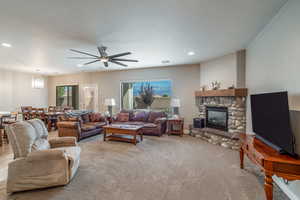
(217,117)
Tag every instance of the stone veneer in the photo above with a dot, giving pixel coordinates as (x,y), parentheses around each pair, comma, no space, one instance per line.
(236,111)
(229,143)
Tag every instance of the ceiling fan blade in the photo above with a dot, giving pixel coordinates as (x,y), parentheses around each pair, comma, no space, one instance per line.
(119,55)
(105,64)
(81,57)
(102,51)
(91,62)
(118,63)
(125,60)
(84,53)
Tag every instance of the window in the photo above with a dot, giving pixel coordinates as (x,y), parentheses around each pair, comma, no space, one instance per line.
(154,95)
(67,95)
(38,83)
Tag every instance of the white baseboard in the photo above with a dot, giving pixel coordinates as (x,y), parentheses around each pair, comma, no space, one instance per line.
(285,188)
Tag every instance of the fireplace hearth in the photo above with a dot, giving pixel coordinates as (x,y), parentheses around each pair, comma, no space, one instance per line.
(217,118)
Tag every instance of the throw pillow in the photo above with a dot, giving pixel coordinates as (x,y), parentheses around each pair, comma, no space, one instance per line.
(139,116)
(154,115)
(96,117)
(85,118)
(123,117)
(130,112)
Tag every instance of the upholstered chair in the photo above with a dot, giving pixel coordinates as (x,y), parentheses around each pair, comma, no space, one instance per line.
(39,162)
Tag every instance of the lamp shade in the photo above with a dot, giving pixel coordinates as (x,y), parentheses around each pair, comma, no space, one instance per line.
(110,102)
(175,103)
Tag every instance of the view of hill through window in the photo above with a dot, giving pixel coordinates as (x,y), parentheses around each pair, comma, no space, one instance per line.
(154,95)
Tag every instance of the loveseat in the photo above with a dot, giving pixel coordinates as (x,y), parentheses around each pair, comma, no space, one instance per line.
(81,126)
(154,122)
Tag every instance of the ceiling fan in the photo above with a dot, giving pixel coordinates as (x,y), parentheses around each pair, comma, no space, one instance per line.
(104,57)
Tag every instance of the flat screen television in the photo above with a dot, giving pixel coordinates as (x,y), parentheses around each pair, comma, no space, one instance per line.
(271,121)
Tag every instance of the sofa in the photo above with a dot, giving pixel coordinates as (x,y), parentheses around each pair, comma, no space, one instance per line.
(154,122)
(39,162)
(80,126)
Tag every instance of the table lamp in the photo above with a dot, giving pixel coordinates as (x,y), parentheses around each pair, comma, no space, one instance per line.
(175,104)
(110,102)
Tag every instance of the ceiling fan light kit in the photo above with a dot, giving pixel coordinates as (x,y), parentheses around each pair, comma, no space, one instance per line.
(104,57)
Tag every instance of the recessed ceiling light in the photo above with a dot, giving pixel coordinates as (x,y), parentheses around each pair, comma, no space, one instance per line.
(6,44)
(191,53)
(165,61)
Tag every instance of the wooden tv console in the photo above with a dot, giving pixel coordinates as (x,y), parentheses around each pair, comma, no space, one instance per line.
(269,160)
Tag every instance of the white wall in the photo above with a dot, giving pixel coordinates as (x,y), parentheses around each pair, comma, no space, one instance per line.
(16,91)
(273,64)
(273,59)
(228,69)
(185,81)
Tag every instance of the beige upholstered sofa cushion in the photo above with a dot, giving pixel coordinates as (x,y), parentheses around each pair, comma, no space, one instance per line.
(40,144)
(35,138)
(39,127)
(22,143)
(73,154)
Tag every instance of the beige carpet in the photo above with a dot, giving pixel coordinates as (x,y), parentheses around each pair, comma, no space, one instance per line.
(165,168)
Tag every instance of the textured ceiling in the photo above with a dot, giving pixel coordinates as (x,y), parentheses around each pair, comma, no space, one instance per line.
(42,32)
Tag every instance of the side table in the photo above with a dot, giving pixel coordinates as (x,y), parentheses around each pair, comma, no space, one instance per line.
(175,126)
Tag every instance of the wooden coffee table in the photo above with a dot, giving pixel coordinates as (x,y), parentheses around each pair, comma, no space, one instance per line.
(119,132)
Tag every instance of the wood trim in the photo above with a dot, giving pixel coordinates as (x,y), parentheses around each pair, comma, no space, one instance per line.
(239,92)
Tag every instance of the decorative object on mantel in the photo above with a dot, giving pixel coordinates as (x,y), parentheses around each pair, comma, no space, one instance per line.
(231,87)
(216,85)
(175,104)
(203,88)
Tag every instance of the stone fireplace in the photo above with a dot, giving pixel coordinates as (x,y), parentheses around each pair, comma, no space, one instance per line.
(224,111)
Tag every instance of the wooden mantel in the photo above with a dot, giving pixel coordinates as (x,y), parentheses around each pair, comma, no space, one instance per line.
(238,92)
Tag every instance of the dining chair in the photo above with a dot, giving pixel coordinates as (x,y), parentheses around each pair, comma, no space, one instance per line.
(26,112)
(51,108)
(13,118)
(41,114)
(1,136)
(33,113)
(67,108)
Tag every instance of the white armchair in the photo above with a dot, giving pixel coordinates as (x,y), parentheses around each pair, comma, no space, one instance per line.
(39,163)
